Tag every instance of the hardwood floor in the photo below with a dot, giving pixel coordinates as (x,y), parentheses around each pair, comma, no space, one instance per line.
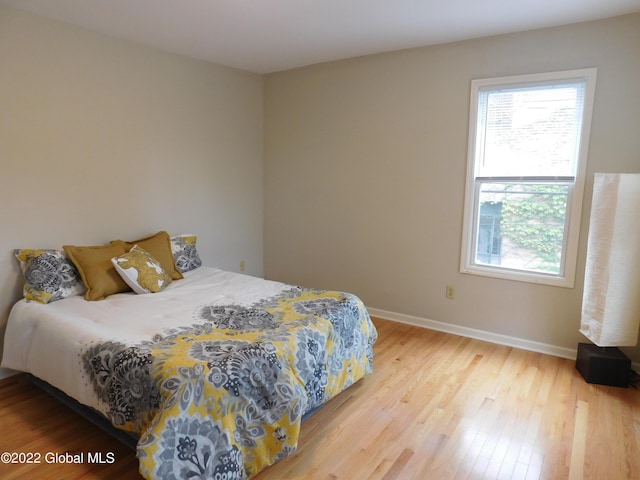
(437,406)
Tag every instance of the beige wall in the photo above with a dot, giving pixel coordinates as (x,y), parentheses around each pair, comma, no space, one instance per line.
(103,139)
(365,170)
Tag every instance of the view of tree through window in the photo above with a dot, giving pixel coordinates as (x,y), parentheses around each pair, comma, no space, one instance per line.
(528,230)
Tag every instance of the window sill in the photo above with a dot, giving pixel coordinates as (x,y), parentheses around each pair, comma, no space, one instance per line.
(519,276)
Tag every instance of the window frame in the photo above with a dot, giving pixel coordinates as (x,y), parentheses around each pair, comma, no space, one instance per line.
(566,277)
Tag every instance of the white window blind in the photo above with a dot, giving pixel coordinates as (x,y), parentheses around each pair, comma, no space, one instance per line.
(529,131)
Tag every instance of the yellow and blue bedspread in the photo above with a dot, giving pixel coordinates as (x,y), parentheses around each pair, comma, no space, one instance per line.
(224,395)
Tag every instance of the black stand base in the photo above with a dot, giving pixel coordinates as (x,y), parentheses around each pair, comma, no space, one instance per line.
(603,365)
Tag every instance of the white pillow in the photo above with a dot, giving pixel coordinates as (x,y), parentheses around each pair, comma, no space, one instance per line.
(141,271)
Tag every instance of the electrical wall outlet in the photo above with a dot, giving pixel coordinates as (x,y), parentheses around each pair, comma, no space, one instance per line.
(242,265)
(450,292)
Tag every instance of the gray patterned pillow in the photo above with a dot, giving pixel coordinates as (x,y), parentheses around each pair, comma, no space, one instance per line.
(184,252)
(49,275)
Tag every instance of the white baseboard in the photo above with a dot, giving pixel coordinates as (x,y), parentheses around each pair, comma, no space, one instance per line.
(497,338)
(516,342)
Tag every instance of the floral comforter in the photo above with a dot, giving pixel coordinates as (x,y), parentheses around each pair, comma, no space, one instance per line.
(222,394)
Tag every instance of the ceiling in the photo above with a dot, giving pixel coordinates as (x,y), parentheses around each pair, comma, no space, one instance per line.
(265,36)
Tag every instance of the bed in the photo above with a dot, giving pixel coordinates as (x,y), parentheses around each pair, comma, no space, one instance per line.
(213,373)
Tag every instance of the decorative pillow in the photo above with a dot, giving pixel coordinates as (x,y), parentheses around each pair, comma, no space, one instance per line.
(141,271)
(95,267)
(159,246)
(49,275)
(184,251)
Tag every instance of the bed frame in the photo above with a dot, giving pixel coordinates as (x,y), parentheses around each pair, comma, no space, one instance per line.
(127,438)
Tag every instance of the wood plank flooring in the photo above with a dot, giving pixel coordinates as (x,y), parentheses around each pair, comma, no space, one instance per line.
(437,406)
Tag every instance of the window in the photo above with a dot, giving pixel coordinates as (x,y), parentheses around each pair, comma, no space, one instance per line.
(528,139)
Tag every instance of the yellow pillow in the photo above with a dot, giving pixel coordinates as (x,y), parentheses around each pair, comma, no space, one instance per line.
(159,246)
(95,267)
(141,271)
